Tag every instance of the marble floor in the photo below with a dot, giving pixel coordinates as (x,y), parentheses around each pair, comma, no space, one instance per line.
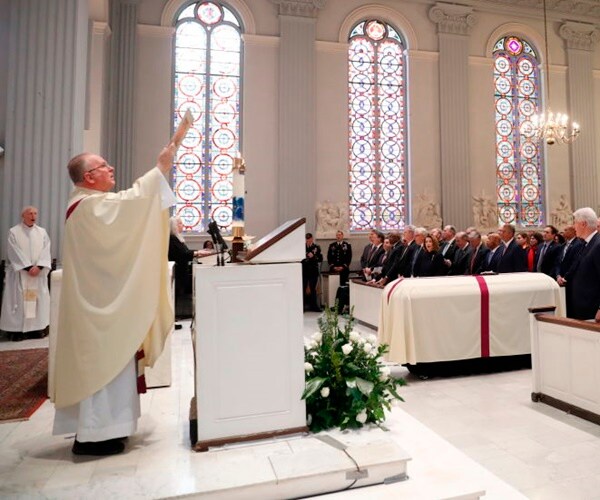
(487,421)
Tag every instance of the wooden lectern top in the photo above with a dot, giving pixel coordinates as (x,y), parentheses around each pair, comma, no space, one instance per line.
(274,237)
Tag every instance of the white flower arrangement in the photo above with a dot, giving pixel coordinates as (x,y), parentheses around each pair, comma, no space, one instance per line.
(348,383)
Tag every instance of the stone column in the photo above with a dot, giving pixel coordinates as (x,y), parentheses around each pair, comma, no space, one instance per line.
(580,39)
(45,110)
(454,23)
(120,113)
(297,109)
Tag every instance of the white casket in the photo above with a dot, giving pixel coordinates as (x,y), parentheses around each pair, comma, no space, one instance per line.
(463,317)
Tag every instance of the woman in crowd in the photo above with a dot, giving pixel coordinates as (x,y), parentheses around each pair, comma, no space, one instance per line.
(522,239)
(535,240)
(430,261)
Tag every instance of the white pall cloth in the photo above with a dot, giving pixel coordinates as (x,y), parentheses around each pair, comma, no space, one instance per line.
(462,317)
(26,299)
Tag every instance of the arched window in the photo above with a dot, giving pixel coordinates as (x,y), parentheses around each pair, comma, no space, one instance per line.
(377,127)
(519,172)
(208,55)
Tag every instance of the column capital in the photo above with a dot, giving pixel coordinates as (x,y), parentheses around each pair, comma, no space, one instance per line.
(454,19)
(300,8)
(581,36)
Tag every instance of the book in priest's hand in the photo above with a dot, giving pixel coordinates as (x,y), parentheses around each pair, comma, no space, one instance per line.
(183,128)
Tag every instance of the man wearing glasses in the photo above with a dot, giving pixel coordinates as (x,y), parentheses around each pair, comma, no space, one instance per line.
(114,310)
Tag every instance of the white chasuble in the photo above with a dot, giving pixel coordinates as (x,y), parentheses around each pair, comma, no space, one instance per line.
(26,299)
(115,293)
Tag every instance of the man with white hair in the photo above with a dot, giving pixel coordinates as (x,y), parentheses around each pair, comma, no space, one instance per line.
(583,279)
(26,299)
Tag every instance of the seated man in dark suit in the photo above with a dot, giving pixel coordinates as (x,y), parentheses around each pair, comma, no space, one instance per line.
(409,269)
(401,257)
(583,279)
(568,253)
(494,245)
(513,259)
(385,261)
(460,264)
(448,245)
(479,253)
(548,253)
(372,253)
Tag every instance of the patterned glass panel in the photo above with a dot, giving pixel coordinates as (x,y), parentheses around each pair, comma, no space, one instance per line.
(377,117)
(207,81)
(518,156)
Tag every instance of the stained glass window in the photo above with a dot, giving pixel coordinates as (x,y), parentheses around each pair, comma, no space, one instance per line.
(519,179)
(208,52)
(377,127)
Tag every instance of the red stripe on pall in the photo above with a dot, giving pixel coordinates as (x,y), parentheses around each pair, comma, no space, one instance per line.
(391,290)
(485,316)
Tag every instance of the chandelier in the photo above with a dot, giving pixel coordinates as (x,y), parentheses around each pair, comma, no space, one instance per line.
(548,126)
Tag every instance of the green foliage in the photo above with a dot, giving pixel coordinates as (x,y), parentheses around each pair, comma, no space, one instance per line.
(347,383)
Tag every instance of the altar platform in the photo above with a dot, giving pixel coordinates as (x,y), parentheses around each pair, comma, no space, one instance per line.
(455,430)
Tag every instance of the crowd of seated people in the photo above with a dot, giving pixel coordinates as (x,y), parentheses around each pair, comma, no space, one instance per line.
(418,252)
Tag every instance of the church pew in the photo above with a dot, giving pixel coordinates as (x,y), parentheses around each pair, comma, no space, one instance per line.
(565,356)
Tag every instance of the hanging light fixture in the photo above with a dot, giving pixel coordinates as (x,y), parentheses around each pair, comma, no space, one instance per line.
(548,126)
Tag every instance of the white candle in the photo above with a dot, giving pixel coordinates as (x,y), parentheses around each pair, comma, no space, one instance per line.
(238,191)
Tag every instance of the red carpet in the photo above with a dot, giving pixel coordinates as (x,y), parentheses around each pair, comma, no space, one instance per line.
(23,383)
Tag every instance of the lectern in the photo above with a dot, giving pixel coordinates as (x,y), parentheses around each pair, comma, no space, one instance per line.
(248,341)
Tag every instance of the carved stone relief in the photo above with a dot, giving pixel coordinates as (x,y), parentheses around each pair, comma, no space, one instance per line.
(427,211)
(331,218)
(562,214)
(485,212)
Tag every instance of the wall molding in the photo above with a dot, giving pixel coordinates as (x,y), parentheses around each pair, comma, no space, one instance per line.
(260,40)
(152,31)
(334,47)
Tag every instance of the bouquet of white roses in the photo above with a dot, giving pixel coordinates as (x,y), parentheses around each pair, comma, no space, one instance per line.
(347,383)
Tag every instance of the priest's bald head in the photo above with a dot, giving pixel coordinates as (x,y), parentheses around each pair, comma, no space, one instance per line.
(91,171)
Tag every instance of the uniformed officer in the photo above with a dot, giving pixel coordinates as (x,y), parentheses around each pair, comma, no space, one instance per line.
(310,273)
(339,257)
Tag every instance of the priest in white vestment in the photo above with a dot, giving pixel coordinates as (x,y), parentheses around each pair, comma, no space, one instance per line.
(115,311)
(26,299)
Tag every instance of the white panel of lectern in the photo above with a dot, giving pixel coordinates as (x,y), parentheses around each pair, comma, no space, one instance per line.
(249,351)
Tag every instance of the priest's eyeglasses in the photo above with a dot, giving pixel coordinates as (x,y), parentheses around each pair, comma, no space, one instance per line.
(104,165)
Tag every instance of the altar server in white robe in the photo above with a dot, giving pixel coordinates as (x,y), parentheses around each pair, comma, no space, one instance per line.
(114,301)
(26,299)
